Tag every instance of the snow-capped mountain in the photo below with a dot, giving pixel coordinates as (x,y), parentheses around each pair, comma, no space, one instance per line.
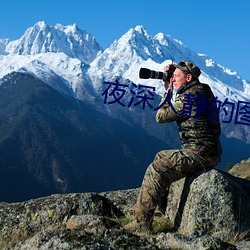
(41,38)
(137,49)
(55,139)
(57,55)
(72,62)
(74,56)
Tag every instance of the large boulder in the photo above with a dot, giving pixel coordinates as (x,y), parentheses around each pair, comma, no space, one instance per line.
(210,202)
(19,221)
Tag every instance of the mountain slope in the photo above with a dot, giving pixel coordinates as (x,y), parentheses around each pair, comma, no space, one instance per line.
(65,74)
(52,144)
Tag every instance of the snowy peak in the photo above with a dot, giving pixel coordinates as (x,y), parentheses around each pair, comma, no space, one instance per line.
(35,40)
(137,46)
(42,38)
(141,43)
(134,47)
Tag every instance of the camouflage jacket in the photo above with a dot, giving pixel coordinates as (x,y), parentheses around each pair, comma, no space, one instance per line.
(196,128)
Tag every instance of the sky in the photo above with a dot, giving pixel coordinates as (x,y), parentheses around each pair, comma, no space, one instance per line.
(217,28)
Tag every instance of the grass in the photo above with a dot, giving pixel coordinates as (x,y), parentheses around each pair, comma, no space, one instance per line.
(160,223)
(238,237)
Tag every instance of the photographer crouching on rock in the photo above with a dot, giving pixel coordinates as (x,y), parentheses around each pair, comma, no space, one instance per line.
(199,130)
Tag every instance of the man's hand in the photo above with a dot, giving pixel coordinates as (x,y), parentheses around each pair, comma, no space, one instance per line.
(168,85)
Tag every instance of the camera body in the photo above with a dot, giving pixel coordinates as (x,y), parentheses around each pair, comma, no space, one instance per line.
(146,73)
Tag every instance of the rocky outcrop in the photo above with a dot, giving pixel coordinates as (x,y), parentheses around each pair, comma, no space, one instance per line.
(211,202)
(241,169)
(209,210)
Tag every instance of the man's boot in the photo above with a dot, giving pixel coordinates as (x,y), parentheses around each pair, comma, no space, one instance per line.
(142,220)
(137,226)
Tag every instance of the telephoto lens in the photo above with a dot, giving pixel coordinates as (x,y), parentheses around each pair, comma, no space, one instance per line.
(147,73)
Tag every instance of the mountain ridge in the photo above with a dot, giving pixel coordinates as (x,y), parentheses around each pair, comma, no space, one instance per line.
(47,135)
(135,49)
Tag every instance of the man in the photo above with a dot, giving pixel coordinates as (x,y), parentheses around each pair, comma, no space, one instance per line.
(199,130)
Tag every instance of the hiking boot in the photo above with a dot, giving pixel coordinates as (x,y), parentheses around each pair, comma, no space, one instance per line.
(159,211)
(140,227)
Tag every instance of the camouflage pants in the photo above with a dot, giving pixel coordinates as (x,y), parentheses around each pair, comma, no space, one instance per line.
(167,167)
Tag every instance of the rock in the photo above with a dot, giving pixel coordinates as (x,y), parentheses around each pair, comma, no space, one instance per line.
(212,202)
(20,220)
(178,241)
(90,221)
(209,210)
(85,239)
(241,169)
(243,245)
(124,199)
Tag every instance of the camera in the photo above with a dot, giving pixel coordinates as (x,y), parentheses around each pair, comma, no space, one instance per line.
(145,73)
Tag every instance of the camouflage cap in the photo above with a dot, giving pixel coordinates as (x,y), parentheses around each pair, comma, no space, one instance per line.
(189,68)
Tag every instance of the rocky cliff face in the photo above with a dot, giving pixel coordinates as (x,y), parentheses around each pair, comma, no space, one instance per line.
(207,211)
